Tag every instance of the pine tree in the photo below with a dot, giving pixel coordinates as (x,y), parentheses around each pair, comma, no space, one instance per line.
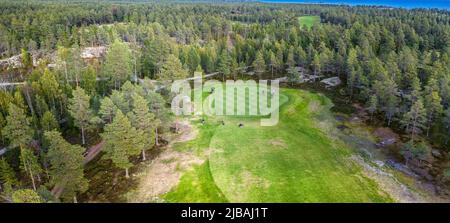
(19,133)
(315,64)
(259,64)
(89,80)
(446,123)
(352,69)
(415,119)
(49,87)
(7,174)
(2,125)
(17,130)
(143,120)
(193,59)
(388,100)
(118,63)
(30,165)
(66,162)
(290,61)
(118,99)
(224,63)
(79,109)
(301,56)
(27,61)
(172,69)
(273,62)
(69,63)
(107,109)
(154,53)
(49,122)
(26,196)
(372,105)
(157,106)
(122,141)
(432,103)
(293,75)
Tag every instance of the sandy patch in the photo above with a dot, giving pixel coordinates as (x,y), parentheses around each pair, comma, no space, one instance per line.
(165,171)
(186,132)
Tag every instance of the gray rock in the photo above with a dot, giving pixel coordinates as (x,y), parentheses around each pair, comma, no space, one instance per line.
(436,153)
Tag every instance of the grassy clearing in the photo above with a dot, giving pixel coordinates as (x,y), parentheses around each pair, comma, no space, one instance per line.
(294,161)
(308,20)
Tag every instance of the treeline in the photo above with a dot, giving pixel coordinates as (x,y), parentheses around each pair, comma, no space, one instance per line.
(393,60)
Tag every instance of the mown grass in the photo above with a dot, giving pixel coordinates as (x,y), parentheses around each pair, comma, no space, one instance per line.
(196,185)
(308,20)
(294,161)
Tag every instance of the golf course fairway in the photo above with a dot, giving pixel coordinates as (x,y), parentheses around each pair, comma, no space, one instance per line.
(294,161)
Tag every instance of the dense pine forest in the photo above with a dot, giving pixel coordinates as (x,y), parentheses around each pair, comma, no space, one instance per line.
(57,107)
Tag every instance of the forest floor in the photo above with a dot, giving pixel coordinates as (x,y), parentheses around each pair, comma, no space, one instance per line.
(164,172)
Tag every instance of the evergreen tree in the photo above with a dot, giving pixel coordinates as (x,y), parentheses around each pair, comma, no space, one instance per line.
(259,64)
(415,119)
(193,59)
(49,122)
(224,63)
(17,130)
(432,103)
(7,174)
(352,69)
(122,141)
(172,69)
(79,109)
(446,122)
(293,75)
(107,109)
(118,63)
(26,196)
(273,62)
(118,98)
(315,64)
(66,162)
(290,61)
(372,105)
(29,164)
(143,120)
(89,80)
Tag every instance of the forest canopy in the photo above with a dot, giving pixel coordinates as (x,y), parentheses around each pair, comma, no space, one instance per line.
(396,62)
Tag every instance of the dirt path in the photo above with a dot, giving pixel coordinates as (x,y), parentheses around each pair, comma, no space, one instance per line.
(164,172)
(93,151)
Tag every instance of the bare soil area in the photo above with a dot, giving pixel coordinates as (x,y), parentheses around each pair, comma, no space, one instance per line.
(164,172)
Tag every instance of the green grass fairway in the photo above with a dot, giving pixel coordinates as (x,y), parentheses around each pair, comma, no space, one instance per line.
(294,161)
(308,20)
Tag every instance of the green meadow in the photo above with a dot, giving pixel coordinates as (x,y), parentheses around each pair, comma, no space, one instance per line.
(294,161)
(308,20)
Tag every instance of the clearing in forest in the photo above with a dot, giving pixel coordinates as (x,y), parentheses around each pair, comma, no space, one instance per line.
(308,20)
(294,161)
